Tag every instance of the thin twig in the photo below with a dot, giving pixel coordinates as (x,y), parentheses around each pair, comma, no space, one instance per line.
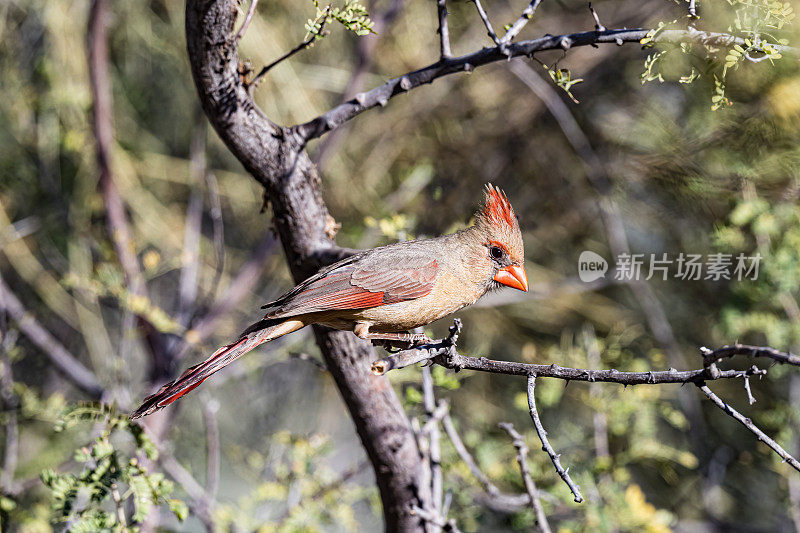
(434,437)
(713,356)
(444,32)
(302,46)
(537,423)
(523,19)
(746,422)
(485,18)
(436,519)
(693,9)
(597,25)
(217,230)
(67,363)
(250,12)
(530,486)
(462,451)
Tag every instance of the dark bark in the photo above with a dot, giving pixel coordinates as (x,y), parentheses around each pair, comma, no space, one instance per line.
(273,157)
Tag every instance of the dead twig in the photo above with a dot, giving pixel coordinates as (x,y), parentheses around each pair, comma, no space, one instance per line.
(530,486)
(746,422)
(540,431)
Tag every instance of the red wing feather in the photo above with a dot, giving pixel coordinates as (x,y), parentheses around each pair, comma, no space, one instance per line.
(351,287)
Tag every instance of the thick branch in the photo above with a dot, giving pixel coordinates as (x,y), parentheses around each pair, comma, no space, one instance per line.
(381,95)
(276,160)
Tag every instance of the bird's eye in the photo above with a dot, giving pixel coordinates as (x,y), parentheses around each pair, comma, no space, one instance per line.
(497,252)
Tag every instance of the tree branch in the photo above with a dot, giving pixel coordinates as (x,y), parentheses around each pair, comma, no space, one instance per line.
(540,431)
(523,19)
(302,46)
(486,22)
(444,32)
(61,358)
(276,160)
(530,486)
(746,422)
(381,95)
(714,356)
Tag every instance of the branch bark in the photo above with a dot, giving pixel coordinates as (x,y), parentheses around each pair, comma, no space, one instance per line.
(276,160)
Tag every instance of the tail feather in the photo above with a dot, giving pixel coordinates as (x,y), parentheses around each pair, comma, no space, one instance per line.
(255,335)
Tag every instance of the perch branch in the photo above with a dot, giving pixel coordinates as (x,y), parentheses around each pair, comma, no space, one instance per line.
(530,486)
(537,423)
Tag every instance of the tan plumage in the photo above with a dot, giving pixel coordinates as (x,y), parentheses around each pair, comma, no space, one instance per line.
(382,293)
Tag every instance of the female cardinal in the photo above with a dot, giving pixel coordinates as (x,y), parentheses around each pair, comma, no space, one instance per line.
(382,293)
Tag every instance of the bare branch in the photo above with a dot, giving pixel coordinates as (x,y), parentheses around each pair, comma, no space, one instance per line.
(444,32)
(427,352)
(485,18)
(714,356)
(537,423)
(597,25)
(302,46)
(67,363)
(433,436)
(462,451)
(380,95)
(530,486)
(249,17)
(746,422)
(435,519)
(523,19)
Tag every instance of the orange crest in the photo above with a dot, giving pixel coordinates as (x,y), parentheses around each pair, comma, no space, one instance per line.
(497,208)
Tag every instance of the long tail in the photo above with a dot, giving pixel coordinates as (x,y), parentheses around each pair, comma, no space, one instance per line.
(258,333)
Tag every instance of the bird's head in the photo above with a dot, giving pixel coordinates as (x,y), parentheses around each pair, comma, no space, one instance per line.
(501,238)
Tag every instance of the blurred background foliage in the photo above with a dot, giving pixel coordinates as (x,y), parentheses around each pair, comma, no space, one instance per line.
(267,445)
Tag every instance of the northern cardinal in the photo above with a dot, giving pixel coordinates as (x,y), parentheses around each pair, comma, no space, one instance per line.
(381,294)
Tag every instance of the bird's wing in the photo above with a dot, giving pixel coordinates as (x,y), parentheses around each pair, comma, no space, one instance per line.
(367,281)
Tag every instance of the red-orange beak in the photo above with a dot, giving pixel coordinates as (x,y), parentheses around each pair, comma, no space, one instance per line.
(513,276)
